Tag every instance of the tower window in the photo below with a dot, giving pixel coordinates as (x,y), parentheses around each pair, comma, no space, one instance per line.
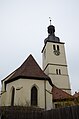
(58,47)
(54,48)
(58,71)
(34,96)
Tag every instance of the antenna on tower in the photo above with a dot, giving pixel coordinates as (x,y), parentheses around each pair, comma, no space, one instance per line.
(50,20)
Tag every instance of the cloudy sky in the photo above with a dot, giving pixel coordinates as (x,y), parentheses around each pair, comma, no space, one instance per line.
(23,28)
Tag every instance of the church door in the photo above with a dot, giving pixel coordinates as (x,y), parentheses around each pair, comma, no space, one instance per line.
(34,96)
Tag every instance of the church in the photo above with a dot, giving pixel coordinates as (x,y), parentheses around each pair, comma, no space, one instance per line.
(30,85)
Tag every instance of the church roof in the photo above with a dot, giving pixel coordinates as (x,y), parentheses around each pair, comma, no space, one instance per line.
(29,69)
(59,94)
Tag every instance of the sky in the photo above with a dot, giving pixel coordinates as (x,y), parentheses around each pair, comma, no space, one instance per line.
(23,28)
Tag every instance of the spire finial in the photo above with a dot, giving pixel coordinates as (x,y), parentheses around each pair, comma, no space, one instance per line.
(51,28)
(50,20)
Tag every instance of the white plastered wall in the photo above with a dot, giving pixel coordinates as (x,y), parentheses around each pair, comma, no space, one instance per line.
(51,62)
(23,95)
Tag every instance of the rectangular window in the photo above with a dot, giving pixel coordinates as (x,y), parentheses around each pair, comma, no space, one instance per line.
(59,71)
(56,71)
(54,47)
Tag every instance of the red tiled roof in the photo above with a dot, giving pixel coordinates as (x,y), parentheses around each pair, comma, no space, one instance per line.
(29,69)
(59,94)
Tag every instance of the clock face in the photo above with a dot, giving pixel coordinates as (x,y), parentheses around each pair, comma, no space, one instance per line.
(56,52)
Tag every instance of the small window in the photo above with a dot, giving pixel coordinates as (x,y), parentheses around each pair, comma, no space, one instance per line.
(56,71)
(54,48)
(59,71)
(58,47)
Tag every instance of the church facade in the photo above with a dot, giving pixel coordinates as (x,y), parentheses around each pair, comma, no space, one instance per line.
(29,85)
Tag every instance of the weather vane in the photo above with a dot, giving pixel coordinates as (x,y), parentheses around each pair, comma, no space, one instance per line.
(50,20)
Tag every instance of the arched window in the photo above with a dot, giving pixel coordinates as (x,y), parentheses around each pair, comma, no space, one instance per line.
(34,96)
(12,96)
(58,47)
(54,48)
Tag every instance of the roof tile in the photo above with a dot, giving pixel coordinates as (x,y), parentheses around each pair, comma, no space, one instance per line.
(59,94)
(29,69)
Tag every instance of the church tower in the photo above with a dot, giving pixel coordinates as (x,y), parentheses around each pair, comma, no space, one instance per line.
(54,61)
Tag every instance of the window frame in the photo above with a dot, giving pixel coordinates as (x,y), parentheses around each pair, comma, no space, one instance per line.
(34,96)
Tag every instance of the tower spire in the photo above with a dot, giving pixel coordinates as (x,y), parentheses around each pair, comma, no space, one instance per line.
(51,33)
